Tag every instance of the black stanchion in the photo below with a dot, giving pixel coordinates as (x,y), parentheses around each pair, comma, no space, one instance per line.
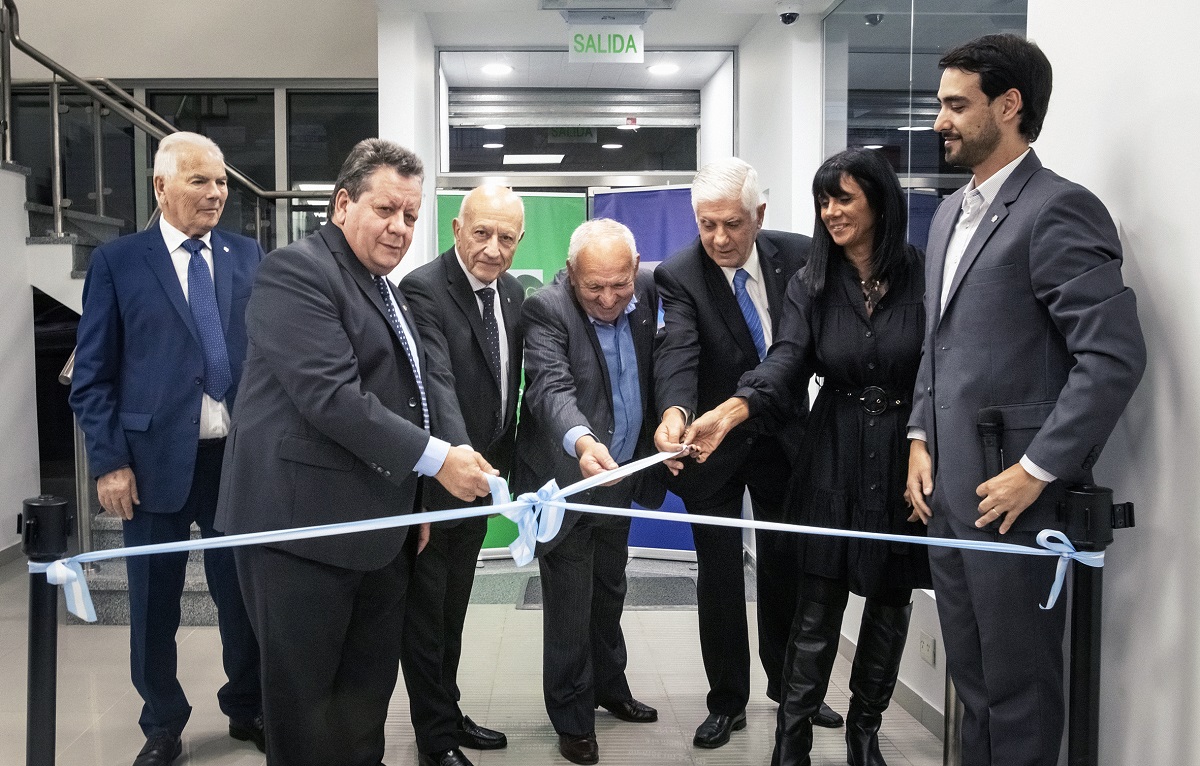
(1090,516)
(44,526)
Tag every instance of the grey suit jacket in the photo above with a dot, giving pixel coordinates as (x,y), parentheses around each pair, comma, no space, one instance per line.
(328,424)
(567,384)
(1039,324)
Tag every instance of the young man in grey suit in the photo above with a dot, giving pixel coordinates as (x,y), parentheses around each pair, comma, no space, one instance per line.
(1027,314)
(341,411)
(467,307)
(589,337)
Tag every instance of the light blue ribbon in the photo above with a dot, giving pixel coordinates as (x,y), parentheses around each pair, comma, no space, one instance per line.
(538,516)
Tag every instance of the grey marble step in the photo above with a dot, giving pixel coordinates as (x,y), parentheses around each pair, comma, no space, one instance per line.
(110,595)
(106,535)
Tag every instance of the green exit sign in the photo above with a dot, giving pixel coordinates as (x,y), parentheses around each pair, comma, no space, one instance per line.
(606,43)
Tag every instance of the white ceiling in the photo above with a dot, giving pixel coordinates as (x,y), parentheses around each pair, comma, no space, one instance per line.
(550,69)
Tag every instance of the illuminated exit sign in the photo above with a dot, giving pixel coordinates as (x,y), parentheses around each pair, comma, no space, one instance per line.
(606,43)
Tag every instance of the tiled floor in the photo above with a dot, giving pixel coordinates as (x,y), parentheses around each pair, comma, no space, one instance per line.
(501,682)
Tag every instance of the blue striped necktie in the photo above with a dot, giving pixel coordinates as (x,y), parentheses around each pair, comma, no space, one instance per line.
(749,313)
(385,291)
(202,300)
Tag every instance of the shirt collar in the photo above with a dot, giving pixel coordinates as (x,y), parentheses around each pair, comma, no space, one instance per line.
(991,187)
(476,285)
(751,266)
(174,237)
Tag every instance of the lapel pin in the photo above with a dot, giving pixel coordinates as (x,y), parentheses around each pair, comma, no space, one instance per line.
(226,249)
(995,218)
(778,270)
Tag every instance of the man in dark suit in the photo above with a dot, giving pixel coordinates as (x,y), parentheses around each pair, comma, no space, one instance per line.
(467,308)
(589,339)
(157,365)
(341,411)
(1027,314)
(722,299)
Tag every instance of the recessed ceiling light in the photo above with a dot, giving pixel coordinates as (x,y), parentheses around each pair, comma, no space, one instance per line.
(612,146)
(533,159)
(663,69)
(915,128)
(627,127)
(496,69)
(873,146)
(493,146)
(315,187)
(493,126)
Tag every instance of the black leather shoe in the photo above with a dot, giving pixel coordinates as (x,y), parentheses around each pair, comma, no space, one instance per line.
(453,757)
(715,730)
(631,710)
(161,750)
(579,749)
(828,718)
(249,731)
(472,735)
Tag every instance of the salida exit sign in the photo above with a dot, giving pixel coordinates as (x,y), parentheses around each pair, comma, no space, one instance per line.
(606,43)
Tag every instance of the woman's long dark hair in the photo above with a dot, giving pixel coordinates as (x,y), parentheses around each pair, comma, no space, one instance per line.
(882,188)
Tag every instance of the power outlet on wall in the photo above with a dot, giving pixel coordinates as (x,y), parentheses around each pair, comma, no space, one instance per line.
(929,649)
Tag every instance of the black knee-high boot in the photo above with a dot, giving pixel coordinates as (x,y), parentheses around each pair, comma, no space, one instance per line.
(807,665)
(876,665)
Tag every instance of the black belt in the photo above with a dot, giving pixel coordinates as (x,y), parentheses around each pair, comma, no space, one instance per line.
(217,442)
(874,400)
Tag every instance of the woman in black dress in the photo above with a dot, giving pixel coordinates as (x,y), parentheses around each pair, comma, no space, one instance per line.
(854,317)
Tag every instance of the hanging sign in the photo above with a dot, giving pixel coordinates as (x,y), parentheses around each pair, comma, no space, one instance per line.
(605,44)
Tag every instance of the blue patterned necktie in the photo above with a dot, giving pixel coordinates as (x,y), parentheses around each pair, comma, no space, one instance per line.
(749,313)
(385,291)
(488,296)
(202,299)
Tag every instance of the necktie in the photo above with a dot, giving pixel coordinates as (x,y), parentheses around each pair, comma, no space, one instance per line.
(490,328)
(202,299)
(753,323)
(385,291)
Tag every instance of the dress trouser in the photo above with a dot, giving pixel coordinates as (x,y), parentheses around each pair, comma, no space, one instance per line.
(583,595)
(330,653)
(1003,651)
(437,602)
(721,589)
(155,588)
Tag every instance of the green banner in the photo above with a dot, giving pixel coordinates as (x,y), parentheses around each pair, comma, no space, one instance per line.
(549,221)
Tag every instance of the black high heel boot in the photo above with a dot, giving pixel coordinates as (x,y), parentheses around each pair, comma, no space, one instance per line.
(876,665)
(807,665)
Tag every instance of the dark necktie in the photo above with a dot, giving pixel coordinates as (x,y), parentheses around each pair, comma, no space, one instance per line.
(202,299)
(749,312)
(385,291)
(490,328)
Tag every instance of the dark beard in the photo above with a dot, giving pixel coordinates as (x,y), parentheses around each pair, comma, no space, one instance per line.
(973,152)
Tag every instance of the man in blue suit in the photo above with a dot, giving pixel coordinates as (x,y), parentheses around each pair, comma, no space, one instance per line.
(160,349)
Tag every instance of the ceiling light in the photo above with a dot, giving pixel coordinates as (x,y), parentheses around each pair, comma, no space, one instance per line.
(496,69)
(873,19)
(533,159)
(612,146)
(873,146)
(493,126)
(627,127)
(663,69)
(915,128)
(493,146)
(315,187)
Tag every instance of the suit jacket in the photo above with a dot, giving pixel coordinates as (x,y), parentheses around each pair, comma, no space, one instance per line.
(445,307)
(328,425)
(567,385)
(1039,324)
(708,346)
(139,365)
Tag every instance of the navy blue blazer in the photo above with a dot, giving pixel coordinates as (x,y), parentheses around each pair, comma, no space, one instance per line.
(139,366)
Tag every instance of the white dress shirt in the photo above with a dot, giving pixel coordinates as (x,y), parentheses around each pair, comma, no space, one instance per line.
(476,286)
(756,289)
(214,415)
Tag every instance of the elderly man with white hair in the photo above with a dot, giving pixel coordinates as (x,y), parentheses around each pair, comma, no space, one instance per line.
(160,348)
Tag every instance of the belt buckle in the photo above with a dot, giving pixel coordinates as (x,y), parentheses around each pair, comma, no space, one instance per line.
(874,400)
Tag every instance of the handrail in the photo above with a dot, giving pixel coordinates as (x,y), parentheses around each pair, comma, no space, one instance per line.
(14,36)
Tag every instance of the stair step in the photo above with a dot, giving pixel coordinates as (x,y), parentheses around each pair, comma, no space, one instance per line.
(107,535)
(88,228)
(109,587)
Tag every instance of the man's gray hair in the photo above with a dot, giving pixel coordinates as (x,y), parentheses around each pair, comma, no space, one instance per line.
(166,159)
(589,231)
(369,155)
(727,180)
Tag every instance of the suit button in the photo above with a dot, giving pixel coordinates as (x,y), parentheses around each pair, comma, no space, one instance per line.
(870,365)
(929,390)
(387,473)
(871,455)
(199,381)
(412,402)
(871,423)
(945,348)
(869,333)
(195,420)
(943,406)
(874,487)
(610,431)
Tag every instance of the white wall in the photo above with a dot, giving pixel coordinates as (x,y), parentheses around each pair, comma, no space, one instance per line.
(407,110)
(19,470)
(779,115)
(717,114)
(1120,116)
(215,39)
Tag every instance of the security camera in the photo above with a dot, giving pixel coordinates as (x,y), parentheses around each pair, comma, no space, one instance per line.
(788,11)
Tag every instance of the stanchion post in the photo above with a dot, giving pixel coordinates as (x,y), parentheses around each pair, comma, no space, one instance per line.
(44,525)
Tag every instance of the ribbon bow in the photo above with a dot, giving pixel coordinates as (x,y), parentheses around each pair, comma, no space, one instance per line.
(538,520)
(1053,540)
